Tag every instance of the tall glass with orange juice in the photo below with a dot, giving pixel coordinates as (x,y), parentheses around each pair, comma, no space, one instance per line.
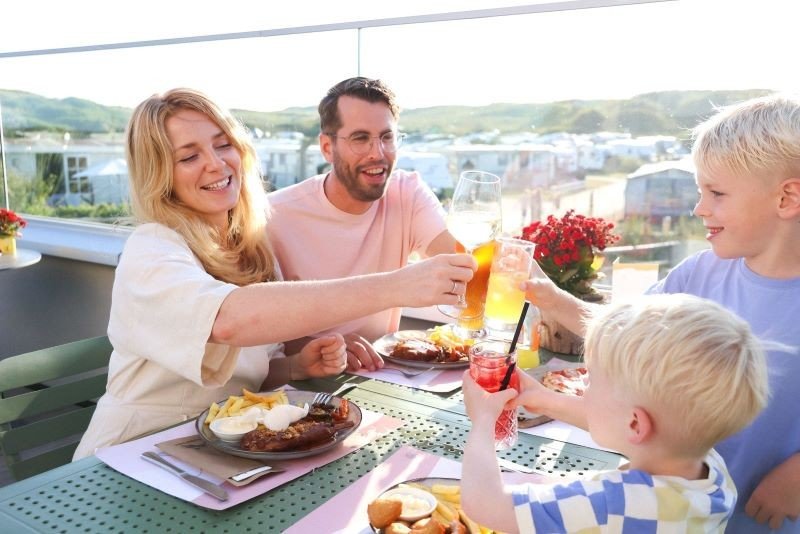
(511,265)
(471,318)
(474,220)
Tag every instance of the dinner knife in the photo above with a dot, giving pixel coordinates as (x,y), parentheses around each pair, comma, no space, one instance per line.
(508,465)
(196,481)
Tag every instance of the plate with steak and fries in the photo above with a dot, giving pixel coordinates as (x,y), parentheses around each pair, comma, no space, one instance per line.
(324,427)
(431,349)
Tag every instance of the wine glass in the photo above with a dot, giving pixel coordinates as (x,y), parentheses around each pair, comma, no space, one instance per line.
(474,219)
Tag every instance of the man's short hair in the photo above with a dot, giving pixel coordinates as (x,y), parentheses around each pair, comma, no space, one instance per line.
(359,87)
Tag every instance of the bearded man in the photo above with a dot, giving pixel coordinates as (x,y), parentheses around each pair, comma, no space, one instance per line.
(363,216)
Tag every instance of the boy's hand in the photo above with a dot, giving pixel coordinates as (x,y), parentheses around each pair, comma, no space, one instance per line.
(538,399)
(361,354)
(777,496)
(323,356)
(483,408)
(533,395)
(540,290)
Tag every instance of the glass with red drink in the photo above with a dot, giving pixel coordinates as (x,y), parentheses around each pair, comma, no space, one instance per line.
(489,362)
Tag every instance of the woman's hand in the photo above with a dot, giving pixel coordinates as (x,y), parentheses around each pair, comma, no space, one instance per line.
(437,280)
(323,356)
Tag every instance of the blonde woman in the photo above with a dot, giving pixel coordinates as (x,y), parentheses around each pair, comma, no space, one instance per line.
(198,306)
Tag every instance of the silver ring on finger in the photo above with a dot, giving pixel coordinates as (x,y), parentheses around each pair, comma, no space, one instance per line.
(455,286)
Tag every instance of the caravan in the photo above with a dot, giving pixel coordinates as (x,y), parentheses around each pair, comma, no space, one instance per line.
(431,166)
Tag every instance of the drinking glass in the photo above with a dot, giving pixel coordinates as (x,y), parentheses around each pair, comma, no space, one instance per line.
(474,219)
(511,266)
(489,362)
(528,346)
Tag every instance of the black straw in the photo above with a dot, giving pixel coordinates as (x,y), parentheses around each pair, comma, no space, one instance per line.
(513,347)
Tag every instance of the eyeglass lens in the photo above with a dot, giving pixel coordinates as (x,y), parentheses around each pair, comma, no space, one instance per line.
(362,143)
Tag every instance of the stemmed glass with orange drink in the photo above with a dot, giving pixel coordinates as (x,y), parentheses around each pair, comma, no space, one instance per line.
(474,219)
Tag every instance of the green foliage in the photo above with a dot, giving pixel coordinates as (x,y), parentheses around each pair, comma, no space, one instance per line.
(640,230)
(30,197)
(588,121)
(29,112)
(621,165)
(99,211)
(635,231)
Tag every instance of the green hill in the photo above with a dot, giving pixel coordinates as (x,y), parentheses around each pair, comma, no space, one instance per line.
(664,113)
(29,112)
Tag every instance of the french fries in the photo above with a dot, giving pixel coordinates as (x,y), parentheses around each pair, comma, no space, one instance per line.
(235,405)
(445,337)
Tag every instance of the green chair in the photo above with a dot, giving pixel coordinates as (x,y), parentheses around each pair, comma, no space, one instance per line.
(47,398)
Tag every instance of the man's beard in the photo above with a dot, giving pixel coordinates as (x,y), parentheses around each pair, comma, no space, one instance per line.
(349,179)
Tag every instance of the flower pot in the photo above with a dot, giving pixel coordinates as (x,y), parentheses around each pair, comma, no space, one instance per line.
(8,244)
(555,337)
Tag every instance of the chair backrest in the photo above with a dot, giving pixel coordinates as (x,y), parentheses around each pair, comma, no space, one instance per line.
(47,398)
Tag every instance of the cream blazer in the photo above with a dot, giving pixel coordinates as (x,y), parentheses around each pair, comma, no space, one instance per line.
(163,370)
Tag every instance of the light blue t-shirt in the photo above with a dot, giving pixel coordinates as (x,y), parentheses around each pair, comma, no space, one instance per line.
(772,307)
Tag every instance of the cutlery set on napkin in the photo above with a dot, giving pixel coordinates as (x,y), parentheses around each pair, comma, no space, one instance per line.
(195,452)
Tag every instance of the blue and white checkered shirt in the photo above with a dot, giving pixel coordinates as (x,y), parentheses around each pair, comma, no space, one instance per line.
(629,502)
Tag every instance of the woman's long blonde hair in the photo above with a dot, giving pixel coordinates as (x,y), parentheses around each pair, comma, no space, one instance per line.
(243,254)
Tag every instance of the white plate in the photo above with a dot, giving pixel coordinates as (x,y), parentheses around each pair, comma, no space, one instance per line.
(295,397)
(386,344)
(427,481)
(539,372)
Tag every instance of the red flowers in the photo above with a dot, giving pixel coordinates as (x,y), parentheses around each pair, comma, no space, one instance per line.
(565,249)
(10,222)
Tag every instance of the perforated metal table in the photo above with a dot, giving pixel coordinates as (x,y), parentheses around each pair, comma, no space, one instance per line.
(88,496)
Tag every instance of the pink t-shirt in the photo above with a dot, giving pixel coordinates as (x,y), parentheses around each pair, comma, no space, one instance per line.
(314,240)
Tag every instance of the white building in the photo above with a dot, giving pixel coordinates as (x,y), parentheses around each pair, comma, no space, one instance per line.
(432,167)
(62,160)
(489,158)
(281,164)
(657,190)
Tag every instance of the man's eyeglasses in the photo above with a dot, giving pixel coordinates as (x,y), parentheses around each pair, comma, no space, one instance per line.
(361,143)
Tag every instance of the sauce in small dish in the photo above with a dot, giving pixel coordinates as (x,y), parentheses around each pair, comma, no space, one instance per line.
(417,503)
(232,428)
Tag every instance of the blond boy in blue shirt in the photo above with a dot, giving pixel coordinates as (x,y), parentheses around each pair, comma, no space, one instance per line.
(670,376)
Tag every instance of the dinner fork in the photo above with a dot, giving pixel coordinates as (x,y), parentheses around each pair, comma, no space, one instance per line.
(322,398)
(408,373)
(325,398)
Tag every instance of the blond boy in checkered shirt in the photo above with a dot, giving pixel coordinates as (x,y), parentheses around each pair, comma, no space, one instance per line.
(670,376)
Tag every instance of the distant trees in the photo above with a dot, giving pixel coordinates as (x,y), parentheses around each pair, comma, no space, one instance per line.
(587,121)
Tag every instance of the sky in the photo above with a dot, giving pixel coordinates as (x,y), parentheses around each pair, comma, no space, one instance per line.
(584,54)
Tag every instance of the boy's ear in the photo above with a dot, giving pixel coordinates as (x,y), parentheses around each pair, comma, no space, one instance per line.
(789,207)
(640,426)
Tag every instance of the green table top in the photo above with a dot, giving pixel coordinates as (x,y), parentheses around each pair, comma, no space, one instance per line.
(88,496)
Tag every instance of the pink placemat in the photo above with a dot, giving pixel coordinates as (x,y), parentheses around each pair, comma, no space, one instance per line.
(126,458)
(433,381)
(347,511)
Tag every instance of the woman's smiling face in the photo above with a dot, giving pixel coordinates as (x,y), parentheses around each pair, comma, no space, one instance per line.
(206,168)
